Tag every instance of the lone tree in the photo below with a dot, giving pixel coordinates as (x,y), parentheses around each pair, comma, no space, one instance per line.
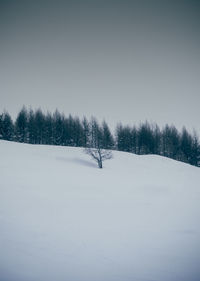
(97,146)
(99,155)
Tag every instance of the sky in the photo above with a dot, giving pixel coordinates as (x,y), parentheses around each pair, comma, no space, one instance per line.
(127,61)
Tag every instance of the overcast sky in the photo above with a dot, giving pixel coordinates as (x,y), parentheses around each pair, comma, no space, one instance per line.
(126,61)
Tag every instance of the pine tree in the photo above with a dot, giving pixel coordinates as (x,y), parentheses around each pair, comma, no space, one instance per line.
(145,139)
(195,155)
(157,139)
(186,146)
(134,141)
(21,126)
(6,127)
(119,137)
(107,138)
(96,134)
(32,131)
(86,132)
(58,128)
(48,129)
(39,121)
(1,126)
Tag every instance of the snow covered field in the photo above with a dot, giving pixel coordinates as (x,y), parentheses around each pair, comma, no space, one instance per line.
(63,219)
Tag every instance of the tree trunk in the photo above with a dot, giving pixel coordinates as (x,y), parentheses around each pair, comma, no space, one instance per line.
(100,164)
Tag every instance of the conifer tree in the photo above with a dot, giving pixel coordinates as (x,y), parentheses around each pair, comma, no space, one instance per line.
(107,138)
(6,126)
(39,121)
(186,146)
(48,127)
(21,126)
(195,154)
(58,128)
(96,134)
(86,131)
(32,137)
(145,139)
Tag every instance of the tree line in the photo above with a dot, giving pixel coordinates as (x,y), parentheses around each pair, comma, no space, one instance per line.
(35,127)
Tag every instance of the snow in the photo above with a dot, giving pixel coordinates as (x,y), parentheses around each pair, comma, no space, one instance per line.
(63,219)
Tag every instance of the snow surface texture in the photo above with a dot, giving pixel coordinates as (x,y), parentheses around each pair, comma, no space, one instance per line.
(63,219)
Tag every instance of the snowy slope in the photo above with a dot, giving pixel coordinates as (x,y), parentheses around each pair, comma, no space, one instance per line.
(63,219)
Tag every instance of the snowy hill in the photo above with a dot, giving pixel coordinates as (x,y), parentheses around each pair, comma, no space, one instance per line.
(63,219)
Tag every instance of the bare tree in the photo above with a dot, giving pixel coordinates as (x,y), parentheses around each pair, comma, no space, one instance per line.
(99,155)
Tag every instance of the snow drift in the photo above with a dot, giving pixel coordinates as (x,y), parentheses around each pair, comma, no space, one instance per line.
(63,219)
